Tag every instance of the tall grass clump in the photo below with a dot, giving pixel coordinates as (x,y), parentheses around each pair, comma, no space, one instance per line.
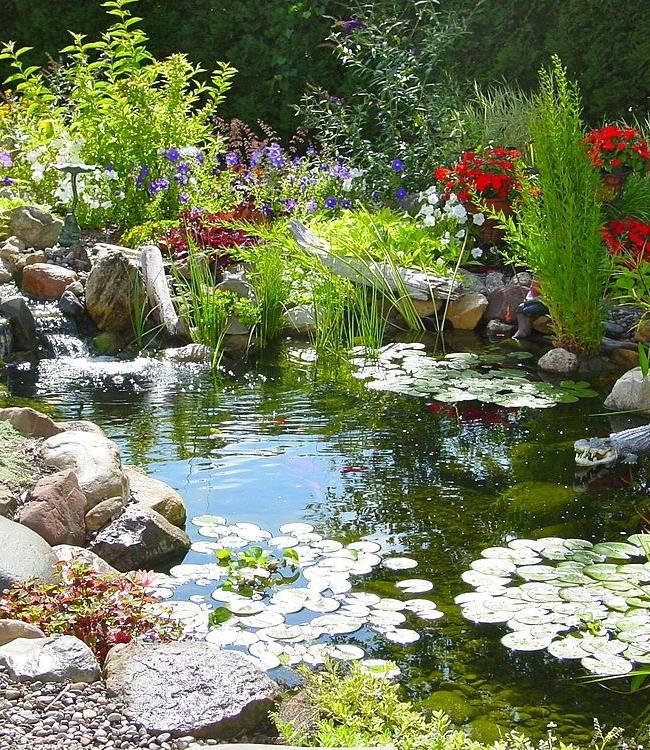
(558,229)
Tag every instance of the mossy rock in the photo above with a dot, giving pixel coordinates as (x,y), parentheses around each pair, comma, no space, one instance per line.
(543,502)
(569,530)
(107,343)
(451,702)
(483,729)
(16,466)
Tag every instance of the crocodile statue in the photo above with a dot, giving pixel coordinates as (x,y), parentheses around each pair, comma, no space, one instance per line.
(625,446)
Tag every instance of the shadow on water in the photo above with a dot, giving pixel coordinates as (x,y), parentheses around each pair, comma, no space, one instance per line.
(287,442)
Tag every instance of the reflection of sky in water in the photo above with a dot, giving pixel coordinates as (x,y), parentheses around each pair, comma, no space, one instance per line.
(290,447)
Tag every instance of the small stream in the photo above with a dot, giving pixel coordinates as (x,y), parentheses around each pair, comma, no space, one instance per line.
(290,441)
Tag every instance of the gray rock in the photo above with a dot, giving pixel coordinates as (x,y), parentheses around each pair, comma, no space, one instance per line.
(631,391)
(498,328)
(93,458)
(36,228)
(237,283)
(6,272)
(8,502)
(22,322)
(103,513)
(77,288)
(191,354)
(111,288)
(139,538)
(300,319)
(12,629)
(614,330)
(503,302)
(29,422)
(494,281)
(67,552)
(61,658)
(189,688)
(69,304)
(6,338)
(559,361)
(24,555)
(156,495)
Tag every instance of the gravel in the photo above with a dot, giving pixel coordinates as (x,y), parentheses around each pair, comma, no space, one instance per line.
(65,716)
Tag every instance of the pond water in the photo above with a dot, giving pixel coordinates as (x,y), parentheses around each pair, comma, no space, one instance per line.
(288,441)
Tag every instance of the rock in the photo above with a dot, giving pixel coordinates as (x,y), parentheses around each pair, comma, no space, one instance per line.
(589,367)
(36,228)
(484,730)
(626,358)
(503,302)
(465,313)
(55,509)
(6,338)
(69,304)
(543,325)
(614,330)
(80,425)
(237,283)
(234,327)
(139,538)
(111,289)
(473,282)
(66,552)
(426,308)
(559,361)
(24,555)
(12,629)
(6,272)
(300,319)
(103,513)
(60,658)
(631,391)
(498,328)
(93,458)
(191,354)
(189,689)
(76,288)
(8,502)
(46,281)
(30,422)
(493,281)
(642,332)
(108,342)
(156,495)
(22,322)
(451,702)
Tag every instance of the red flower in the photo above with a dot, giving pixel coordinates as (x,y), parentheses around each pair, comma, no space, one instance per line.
(492,173)
(612,147)
(628,237)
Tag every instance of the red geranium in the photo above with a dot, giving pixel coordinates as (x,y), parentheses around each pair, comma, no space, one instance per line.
(491,173)
(628,237)
(612,146)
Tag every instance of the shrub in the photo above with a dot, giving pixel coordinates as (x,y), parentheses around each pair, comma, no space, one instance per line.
(101,609)
(614,146)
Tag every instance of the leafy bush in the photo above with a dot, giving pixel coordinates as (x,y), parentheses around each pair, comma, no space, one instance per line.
(101,609)
(559,235)
(402,105)
(143,122)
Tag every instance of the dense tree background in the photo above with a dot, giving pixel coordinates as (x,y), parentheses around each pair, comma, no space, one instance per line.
(279,46)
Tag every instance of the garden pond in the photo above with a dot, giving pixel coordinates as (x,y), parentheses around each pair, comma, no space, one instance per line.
(291,441)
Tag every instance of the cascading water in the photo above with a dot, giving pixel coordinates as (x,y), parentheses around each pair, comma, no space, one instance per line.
(58,333)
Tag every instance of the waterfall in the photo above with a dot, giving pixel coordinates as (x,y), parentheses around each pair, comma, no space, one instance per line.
(6,338)
(58,333)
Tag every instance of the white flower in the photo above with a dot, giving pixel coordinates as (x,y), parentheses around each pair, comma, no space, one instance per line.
(460,235)
(459,211)
(476,252)
(478,219)
(429,221)
(356,172)
(445,239)
(110,174)
(187,151)
(346,185)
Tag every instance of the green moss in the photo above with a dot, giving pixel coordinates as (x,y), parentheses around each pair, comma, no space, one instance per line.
(542,502)
(451,702)
(483,729)
(15,466)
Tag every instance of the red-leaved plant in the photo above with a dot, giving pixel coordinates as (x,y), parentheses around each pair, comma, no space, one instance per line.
(101,609)
(210,233)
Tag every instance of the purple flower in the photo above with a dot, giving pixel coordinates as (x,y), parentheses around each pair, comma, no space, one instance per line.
(397,165)
(290,204)
(346,203)
(304,182)
(311,151)
(172,154)
(199,157)
(351,25)
(6,160)
(401,193)
(312,206)
(267,210)
(184,198)
(331,202)
(296,161)
(157,185)
(335,99)
(142,175)
(7,182)
(232,159)
(256,158)
(343,173)
(376,195)
(182,178)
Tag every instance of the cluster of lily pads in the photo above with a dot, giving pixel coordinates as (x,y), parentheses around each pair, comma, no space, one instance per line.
(285,620)
(575,599)
(463,376)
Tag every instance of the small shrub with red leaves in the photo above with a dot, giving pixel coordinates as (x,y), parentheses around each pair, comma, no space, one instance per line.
(101,609)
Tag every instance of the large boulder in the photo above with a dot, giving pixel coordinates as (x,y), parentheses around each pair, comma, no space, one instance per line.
(46,281)
(631,391)
(103,513)
(558,361)
(29,422)
(68,553)
(35,227)
(466,312)
(139,538)
(189,689)
(23,325)
(60,658)
(93,458)
(12,629)
(111,289)
(24,555)
(55,509)
(504,300)
(300,319)
(156,495)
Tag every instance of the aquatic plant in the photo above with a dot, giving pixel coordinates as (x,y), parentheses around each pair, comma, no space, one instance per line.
(578,601)
(101,609)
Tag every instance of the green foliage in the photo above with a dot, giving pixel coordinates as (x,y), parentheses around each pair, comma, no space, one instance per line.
(644,362)
(256,569)
(113,105)
(16,467)
(148,233)
(633,200)
(402,102)
(558,236)
(101,609)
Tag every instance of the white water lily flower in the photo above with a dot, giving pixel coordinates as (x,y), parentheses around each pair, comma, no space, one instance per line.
(478,219)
